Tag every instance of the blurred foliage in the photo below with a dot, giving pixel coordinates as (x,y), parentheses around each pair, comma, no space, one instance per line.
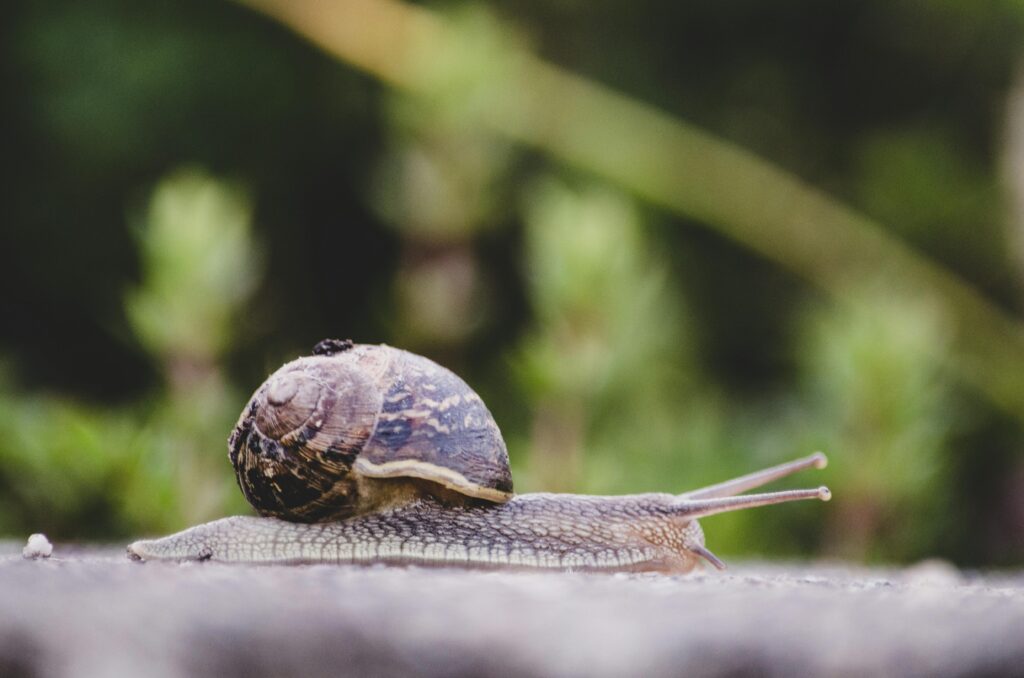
(622,349)
(874,386)
(603,312)
(439,185)
(92,471)
(199,265)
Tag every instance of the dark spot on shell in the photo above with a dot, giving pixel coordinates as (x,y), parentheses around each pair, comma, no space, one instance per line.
(392,405)
(270,448)
(394,434)
(342,503)
(278,494)
(332,346)
(301,437)
(342,454)
(238,438)
(295,492)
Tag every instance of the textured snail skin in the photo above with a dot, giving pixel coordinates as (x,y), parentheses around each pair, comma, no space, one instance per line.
(640,532)
(535,531)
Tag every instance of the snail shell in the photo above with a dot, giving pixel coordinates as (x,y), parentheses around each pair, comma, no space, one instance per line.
(354,428)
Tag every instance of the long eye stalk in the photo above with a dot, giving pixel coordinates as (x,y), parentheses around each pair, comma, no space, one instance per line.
(724,497)
(733,487)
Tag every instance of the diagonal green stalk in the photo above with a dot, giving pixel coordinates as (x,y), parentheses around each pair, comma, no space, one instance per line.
(673,165)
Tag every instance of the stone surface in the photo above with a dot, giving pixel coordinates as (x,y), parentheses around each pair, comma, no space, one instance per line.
(92,612)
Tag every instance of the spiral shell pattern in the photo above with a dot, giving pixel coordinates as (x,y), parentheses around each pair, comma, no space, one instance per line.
(321,423)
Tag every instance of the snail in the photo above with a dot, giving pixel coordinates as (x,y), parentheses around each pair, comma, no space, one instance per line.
(367,454)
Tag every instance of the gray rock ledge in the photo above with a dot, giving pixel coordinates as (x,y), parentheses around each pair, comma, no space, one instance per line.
(92,613)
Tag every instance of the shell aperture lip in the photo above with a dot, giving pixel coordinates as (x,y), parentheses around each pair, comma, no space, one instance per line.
(449,478)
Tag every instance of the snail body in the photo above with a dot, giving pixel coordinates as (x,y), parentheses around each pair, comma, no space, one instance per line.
(365,454)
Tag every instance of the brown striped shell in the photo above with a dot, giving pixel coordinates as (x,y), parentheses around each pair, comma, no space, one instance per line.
(318,436)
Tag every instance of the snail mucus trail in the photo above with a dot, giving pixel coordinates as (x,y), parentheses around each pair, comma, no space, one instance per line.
(371,454)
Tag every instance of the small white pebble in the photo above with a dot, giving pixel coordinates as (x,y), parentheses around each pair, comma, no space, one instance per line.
(38,546)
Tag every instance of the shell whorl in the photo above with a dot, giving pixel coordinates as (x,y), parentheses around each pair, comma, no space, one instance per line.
(294,446)
(321,424)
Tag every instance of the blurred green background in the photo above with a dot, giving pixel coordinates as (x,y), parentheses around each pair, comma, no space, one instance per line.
(195,194)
